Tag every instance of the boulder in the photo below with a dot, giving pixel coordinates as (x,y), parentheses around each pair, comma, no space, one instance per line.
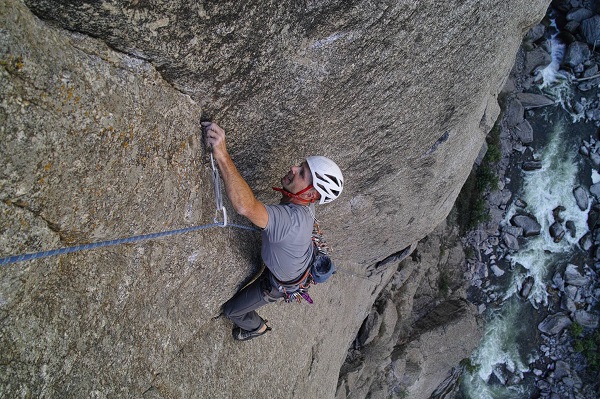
(526,287)
(515,113)
(528,223)
(586,242)
(496,270)
(557,213)
(561,369)
(595,190)
(574,277)
(499,197)
(594,156)
(581,197)
(590,29)
(557,232)
(571,228)
(593,217)
(535,33)
(591,71)
(512,230)
(577,53)
(554,324)
(568,304)
(524,132)
(538,57)
(586,319)
(511,242)
(579,14)
(572,292)
(531,100)
(531,165)
(558,281)
(520,203)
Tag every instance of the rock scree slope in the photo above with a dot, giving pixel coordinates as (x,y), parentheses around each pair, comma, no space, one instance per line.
(99,139)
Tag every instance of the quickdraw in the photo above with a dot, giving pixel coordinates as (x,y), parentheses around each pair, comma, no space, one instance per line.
(216,178)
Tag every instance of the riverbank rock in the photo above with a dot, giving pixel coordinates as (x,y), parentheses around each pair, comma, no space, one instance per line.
(532,165)
(514,113)
(557,232)
(524,132)
(577,53)
(554,324)
(581,197)
(586,319)
(526,287)
(528,223)
(590,29)
(574,277)
(532,100)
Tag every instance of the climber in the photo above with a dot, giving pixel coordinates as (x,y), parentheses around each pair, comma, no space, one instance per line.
(287,249)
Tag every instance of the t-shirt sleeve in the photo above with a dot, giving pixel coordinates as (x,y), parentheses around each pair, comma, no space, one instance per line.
(279,223)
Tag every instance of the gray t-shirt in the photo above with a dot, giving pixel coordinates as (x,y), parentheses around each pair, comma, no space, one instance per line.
(287,240)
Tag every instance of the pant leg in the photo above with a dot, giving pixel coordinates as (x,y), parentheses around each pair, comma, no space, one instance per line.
(240,309)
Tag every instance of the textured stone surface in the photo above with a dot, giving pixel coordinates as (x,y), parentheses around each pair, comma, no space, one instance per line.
(99,144)
(424,329)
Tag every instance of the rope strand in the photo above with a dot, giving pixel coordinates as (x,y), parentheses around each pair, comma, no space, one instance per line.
(127,240)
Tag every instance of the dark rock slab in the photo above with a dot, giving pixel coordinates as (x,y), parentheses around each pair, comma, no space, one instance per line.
(514,113)
(595,190)
(574,277)
(531,165)
(590,29)
(554,324)
(530,100)
(528,223)
(557,231)
(579,14)
(526,288)
(586,319)
(524,132)
(581,197)
(577,53)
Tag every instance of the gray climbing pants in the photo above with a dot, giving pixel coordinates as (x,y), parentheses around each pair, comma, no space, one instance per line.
(241,308)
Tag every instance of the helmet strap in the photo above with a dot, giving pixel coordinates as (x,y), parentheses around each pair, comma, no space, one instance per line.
(297,195)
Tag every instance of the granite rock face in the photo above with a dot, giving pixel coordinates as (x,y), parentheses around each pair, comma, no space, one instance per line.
(424,326)
(99,111)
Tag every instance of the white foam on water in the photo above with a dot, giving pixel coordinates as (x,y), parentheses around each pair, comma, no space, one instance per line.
(499,349)
(550,75)
(544,190)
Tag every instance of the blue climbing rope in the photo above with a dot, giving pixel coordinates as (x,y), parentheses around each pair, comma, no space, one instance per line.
(93,245)
(216,178)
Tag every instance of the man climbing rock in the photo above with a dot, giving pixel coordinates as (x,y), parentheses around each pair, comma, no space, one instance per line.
(287,248)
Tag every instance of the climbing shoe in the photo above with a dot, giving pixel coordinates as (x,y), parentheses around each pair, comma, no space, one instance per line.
(245,335)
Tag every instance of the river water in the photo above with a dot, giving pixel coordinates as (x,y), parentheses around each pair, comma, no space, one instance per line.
(510,347)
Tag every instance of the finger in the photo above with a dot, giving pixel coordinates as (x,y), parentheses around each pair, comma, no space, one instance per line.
(206,124)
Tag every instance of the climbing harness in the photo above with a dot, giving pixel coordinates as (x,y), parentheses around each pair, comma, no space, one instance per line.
(216,178)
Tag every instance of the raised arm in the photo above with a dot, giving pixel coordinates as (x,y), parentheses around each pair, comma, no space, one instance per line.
(239,192)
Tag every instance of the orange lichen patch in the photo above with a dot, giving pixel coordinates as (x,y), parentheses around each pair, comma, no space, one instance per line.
(48,166)
(13,63)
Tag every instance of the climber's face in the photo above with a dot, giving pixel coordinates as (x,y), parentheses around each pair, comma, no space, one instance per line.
(297,179)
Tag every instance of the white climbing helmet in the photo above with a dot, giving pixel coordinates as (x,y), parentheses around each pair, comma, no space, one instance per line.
(327,178)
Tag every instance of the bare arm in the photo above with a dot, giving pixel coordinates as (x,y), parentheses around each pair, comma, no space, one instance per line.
(239,192)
